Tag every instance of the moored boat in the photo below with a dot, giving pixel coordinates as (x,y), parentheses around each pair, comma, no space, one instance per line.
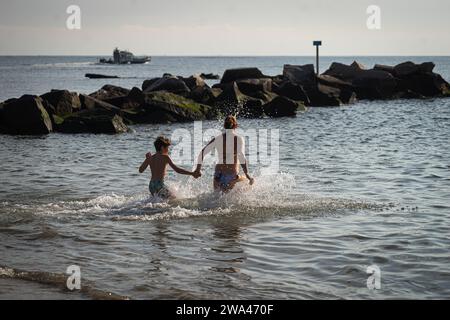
(125,57)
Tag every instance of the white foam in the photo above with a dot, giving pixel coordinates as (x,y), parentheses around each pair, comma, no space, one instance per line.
(273,194)
(62,64)
(7,272)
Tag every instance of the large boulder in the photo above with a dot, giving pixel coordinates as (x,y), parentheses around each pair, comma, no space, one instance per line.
(136,94)
(303,75)
(230,100)
(408,94)
(385,68)
(416,80)
(252,108)
(194,81)
(109,91)
(223,86)
(216,92)
(447,92)
(347,94)
(210,76)
(252,86)
(133,99)
(91,122)
(3,128)
(425,84)
(375,84)
(62,102)
(427,67)
(324,96)
(281,107)
(164,107)
(204,95)
(233,101)
(103,108)
(368,84)
(232,75)
(147,83)
(344,72)
(167,83)
(358,65)
(292,91)
(264,96)
(91,103)
(408,68)
(25,115)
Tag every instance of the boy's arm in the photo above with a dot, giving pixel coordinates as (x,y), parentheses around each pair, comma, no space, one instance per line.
(144,165)
(146,162)
(178,169)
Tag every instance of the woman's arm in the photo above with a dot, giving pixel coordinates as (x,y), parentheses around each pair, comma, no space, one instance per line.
(243,159)
(245,169)
(207,149)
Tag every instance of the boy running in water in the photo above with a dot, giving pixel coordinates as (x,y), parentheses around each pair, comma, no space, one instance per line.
(158,165)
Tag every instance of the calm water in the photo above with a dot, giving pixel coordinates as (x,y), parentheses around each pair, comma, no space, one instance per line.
(359,185)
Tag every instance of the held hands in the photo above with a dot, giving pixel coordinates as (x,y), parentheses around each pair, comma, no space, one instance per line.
(196,174)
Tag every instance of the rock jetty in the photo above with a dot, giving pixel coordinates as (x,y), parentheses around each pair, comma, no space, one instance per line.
(245,92)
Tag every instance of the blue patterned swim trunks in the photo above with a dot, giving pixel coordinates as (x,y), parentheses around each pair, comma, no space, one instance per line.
(158,188)
(225,180)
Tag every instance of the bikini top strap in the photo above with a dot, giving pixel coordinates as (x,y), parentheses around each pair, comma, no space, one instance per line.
(224,146)
(203,150)
(235,149)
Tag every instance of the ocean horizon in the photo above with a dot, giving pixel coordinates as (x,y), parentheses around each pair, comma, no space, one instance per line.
(39,74)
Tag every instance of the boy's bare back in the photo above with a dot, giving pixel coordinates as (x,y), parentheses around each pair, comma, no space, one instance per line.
(158,165)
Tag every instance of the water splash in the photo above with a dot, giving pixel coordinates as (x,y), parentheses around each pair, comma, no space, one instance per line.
(274,194)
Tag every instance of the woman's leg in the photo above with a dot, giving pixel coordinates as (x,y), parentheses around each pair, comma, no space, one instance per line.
(237,180)
(216,184)
(225,182)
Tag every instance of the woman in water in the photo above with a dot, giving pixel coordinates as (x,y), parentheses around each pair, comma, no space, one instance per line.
(230,148)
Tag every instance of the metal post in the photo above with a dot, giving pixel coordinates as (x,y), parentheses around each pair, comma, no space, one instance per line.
(317,44)
(317,59)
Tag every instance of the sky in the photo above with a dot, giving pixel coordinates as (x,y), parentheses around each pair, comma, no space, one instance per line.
(225,27)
